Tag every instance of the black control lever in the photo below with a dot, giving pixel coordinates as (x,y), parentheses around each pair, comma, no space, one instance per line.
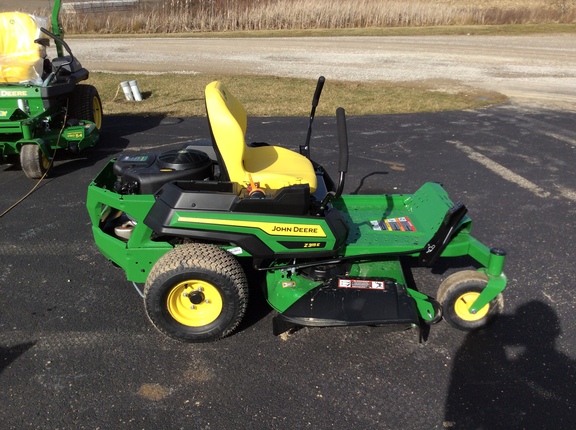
(342,161)
(305,149)
(343,149)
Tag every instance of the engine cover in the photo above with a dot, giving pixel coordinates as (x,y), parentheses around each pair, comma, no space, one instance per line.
(147,173)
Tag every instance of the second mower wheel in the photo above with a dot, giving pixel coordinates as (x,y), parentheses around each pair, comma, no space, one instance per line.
(457,293)
(85,104)
(33,161)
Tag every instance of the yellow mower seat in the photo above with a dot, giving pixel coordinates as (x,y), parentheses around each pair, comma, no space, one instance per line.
(273,167)
(21,59)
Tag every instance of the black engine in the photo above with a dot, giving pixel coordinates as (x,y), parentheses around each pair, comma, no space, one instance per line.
(147,173)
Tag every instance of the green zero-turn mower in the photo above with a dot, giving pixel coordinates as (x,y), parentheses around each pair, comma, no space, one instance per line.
(42,105)
(184,221)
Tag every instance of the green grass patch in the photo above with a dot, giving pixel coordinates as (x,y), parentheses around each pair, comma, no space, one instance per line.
(183,95)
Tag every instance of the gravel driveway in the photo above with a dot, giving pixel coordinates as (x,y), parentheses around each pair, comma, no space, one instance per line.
(529,69)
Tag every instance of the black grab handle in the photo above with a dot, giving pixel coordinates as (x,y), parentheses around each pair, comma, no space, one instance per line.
(342,139)
(318,91)
(343,147)
(305,149)
(342,162)
(443,235)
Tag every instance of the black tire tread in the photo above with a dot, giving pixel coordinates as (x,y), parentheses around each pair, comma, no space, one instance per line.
(31,161)
(80,105)
(205,256)
(456,278)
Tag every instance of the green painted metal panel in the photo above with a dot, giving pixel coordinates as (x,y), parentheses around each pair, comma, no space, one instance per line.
(284,288)
(274,230)
(140,252)
(398,223)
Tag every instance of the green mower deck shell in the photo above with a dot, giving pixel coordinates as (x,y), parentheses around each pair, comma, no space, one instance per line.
(41,125)
(285,287)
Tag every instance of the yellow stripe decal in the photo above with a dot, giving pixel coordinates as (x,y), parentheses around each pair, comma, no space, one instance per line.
(271,228)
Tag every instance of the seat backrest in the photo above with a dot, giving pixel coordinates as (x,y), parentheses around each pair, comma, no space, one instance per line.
(20,57)
(271,167)
(227,119)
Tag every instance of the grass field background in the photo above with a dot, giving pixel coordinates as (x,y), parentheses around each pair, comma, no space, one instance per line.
(252,18)
(163,95)
(185,16)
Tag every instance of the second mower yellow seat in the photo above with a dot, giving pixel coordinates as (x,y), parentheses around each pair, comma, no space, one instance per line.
(273,167)
(21,58)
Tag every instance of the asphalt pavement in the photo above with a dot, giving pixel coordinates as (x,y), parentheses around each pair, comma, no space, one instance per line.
(77,350)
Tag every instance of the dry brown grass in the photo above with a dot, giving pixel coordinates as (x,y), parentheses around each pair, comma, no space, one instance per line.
(163,95)
(184,16)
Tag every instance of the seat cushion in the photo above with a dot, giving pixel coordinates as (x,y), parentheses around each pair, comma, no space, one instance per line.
(275,167)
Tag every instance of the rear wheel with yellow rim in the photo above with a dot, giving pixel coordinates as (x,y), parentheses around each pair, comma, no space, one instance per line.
(85,104)
(458,292)
(196,293)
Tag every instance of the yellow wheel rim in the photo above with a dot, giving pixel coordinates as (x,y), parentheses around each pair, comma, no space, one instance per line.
(45,162)
(464,302)
(194,303)
(97,108)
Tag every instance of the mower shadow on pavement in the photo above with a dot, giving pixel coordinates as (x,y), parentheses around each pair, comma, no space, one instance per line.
(362,182)
(258,307)
(517,370)
(114,138)
(10,354)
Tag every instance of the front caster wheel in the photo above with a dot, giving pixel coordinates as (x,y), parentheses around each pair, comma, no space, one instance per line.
(457,293)
(33,161)
(196,293)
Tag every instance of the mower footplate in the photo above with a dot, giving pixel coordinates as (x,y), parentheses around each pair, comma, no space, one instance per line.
(398,223)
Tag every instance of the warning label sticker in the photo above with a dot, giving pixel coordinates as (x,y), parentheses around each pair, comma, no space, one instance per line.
(364,284)
(393,224)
